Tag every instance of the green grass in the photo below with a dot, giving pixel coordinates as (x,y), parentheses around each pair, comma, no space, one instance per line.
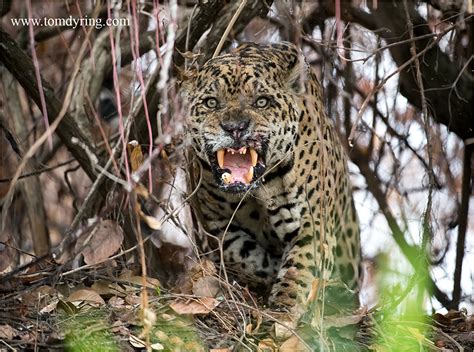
(88,331)
(402,320)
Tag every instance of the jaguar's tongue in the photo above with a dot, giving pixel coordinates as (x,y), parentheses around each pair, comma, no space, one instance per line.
(239,162)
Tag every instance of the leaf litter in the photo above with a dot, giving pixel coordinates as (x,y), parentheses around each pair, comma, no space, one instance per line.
(99,308)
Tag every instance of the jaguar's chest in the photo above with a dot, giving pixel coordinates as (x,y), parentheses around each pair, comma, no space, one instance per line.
(267,213)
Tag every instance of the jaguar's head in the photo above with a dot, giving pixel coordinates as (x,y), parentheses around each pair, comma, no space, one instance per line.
(244,113)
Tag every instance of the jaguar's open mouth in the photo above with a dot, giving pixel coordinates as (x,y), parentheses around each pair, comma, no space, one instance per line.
(238,169)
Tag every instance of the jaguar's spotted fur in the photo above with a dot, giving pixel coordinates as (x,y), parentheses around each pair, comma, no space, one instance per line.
(275,189)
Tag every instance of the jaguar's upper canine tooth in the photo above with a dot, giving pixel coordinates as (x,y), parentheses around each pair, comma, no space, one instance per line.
(227,178)
(254,156)
(249,175)
(220,157)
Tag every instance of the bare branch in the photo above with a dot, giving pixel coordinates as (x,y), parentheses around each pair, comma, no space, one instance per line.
(462,224)
(412,253)
(440,74)
(21,67)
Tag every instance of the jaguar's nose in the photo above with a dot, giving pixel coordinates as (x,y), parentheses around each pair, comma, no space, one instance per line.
(236,128)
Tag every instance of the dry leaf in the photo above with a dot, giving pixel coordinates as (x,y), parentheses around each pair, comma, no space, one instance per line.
(136,342)
(50,307)
(168,317)
(204,268)
(157,346)
(103,288)
(98,245)
(119,327)
(136,155)
(259,320)
(68,307)
(142,191)
(161,335)
(281,331)
(208,267)
(133,300)
(267,345)
(293,344)
(87,296)
(176,341)
(338,321)
(190,55)
(116,301)
(38,294)
(207,286)
(219,350)
(151,222)
(440,319)
(7,332)
(138,280)
(313,293)
(28,336)
(200,306)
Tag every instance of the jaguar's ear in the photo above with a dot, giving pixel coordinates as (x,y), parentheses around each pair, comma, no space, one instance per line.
(296,69)
(298,75)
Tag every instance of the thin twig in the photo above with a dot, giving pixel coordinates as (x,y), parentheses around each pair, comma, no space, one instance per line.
(426,231)
(382,83)
(410,252)
(38,172)
(229,27)
(134,42)
(115,52)
(49,131)
(188,31)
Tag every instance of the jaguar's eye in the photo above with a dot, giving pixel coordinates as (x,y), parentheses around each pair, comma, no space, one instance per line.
(262,102)
(211,103)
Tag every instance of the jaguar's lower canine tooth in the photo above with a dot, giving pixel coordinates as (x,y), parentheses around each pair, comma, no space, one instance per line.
(249,175)
(220,157)
(227,178)
(254,156)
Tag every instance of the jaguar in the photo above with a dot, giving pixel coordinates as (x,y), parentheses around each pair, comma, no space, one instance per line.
(274,195)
